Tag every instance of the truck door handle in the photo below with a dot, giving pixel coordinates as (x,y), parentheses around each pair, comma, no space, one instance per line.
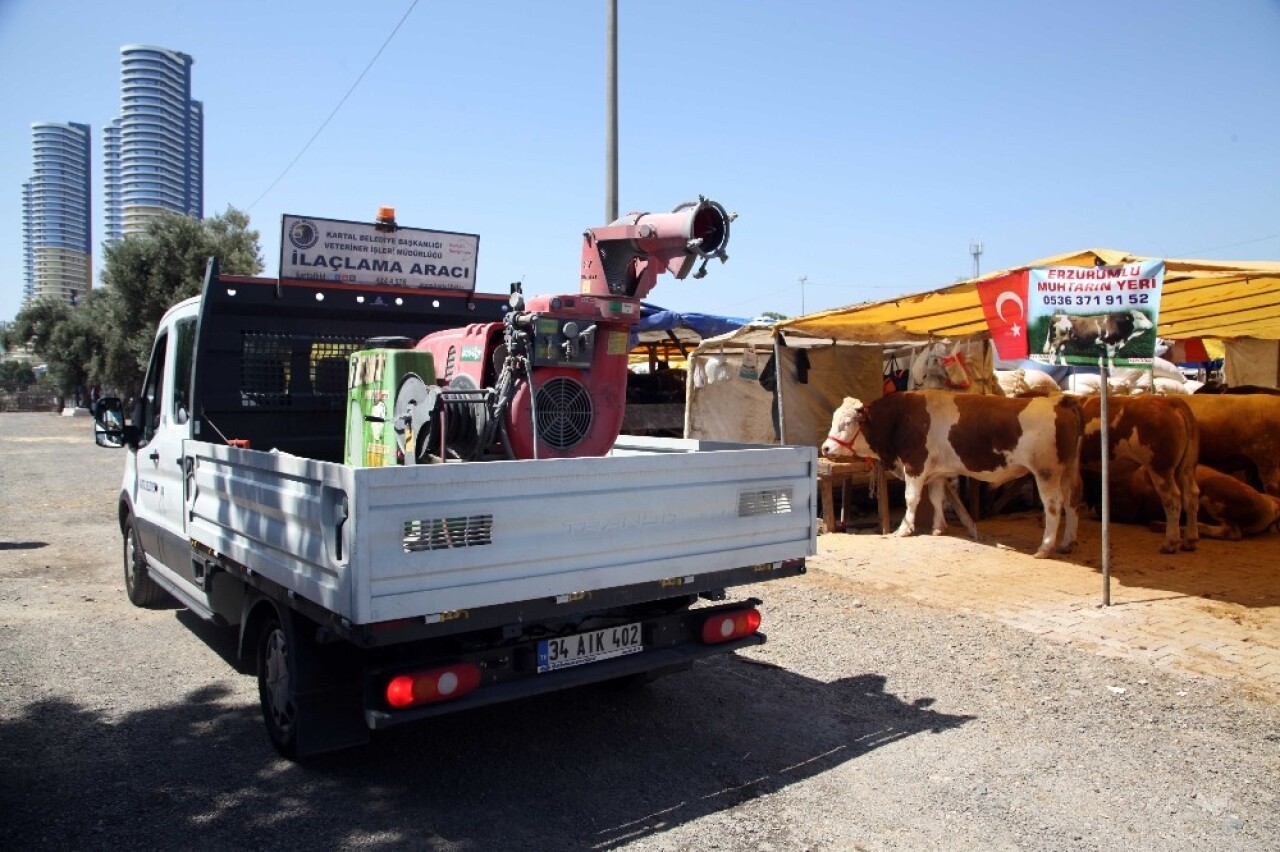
(155,456)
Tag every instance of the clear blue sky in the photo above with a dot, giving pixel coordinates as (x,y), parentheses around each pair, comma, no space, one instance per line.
(864,145)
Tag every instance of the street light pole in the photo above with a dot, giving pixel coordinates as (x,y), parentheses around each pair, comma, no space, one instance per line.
(611,112)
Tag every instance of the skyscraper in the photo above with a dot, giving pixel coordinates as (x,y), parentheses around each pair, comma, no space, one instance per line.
(56,204)
(153,154)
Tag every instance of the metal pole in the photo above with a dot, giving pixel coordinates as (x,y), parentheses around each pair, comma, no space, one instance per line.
(1105,375)
(533,404)
(611,113)
(777,387)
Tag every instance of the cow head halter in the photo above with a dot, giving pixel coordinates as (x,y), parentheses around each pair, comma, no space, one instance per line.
(848,445)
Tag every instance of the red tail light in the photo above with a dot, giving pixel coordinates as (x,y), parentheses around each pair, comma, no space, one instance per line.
(428,687)
(727,626)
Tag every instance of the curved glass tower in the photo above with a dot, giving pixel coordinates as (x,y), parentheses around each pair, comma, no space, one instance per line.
(56,204)
(153,154)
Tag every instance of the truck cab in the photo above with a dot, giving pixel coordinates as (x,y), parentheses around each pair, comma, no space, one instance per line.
(153,478)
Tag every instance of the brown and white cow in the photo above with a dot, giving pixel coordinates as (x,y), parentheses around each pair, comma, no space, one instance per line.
(1229,508)
(1240,433)
(1158,433)
(929,435)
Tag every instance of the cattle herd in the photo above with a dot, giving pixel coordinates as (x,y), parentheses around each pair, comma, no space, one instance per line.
(1187,464)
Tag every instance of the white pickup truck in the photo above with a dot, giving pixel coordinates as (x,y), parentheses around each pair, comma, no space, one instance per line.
(368,596)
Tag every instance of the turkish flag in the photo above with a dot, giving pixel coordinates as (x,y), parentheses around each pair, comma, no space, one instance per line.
(1004,303)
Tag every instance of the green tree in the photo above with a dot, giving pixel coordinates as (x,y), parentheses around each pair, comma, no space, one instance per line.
(146,274)
(16,376)
(67,339)
(40,326)
(36,323)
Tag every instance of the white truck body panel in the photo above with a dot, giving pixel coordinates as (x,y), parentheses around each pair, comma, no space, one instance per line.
(377,544)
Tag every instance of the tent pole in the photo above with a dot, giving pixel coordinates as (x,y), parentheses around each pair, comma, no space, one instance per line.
(777,388)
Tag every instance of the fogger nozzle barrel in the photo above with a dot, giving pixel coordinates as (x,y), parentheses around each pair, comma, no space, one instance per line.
(625,257)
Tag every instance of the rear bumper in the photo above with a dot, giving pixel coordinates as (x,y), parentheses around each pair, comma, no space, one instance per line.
(672,643)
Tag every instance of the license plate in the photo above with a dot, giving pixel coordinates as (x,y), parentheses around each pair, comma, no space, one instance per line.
(582,648)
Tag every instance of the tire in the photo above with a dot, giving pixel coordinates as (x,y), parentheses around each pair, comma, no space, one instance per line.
(276,687)
(142,590)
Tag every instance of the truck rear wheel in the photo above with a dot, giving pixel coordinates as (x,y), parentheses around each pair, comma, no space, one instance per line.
(276,687)
(142,590)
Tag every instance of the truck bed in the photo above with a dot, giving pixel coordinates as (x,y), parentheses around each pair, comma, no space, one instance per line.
(432,542)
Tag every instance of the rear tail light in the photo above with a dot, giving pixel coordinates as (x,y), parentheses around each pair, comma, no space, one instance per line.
(428,687)
(727,626)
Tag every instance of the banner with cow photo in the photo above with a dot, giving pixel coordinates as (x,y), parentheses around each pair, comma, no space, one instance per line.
(1079,314)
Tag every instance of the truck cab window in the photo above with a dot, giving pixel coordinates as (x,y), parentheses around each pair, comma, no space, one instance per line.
(183,351)
(153,392)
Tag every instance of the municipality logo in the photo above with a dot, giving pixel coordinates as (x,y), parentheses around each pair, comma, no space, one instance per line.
(303,234)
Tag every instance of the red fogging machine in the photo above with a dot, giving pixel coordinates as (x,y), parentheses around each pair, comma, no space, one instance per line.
(550,380)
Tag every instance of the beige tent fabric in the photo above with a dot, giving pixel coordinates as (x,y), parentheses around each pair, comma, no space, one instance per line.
(724,400)
(1253,362)
(723,404)
(834,373)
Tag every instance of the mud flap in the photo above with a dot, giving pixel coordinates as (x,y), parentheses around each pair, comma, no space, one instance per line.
(329,695)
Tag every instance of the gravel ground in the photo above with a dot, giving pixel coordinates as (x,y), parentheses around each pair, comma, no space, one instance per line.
(868,722)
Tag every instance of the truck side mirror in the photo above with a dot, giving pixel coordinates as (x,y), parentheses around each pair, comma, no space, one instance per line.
(109,429)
